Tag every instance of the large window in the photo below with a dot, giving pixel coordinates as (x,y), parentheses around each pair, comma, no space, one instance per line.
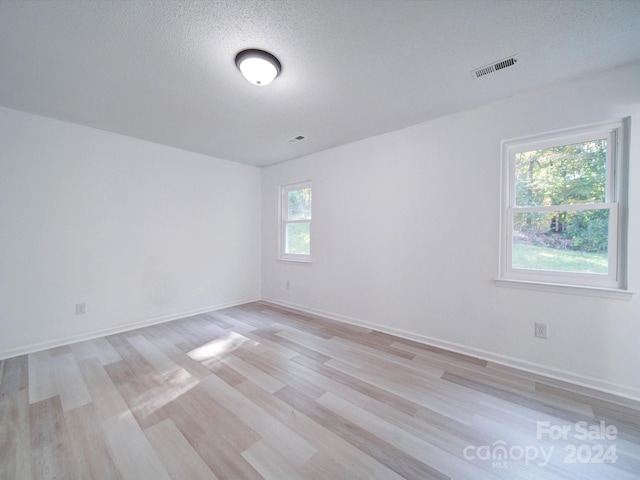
(564,208)
(295,222)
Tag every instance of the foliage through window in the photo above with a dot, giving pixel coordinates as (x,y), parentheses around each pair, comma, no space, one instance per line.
(295,222)
(562,208)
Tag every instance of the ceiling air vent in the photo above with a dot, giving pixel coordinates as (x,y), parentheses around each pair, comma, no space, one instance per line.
(494,67)
(297,139)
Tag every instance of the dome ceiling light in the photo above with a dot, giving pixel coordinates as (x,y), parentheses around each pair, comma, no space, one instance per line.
(258,66)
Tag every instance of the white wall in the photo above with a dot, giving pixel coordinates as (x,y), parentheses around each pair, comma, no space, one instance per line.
(405,238)
(140,232)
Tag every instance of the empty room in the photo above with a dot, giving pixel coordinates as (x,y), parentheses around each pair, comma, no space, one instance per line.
(319,239)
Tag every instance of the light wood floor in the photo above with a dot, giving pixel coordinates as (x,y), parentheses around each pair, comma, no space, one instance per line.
(256,392)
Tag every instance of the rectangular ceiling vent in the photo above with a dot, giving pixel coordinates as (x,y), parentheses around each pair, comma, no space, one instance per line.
(494,67)
(297,139)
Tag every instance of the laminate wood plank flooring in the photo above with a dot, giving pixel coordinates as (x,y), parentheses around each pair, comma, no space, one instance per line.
(259,391)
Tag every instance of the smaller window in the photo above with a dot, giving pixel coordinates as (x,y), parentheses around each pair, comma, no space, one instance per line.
(295,222)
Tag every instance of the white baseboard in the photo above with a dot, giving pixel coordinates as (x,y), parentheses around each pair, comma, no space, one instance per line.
(531,367)
(59,342)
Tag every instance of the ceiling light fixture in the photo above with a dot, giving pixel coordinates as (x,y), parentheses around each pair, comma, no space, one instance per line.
(258,66)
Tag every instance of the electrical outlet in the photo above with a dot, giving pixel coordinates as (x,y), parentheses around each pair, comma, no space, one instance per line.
(80,309)
(287,285)
(542,330)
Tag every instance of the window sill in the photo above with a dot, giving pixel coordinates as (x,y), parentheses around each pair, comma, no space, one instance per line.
(296,261)
(568,289)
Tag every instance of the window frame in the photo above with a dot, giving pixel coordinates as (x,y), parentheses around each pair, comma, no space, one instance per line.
(615,201)
(284,221)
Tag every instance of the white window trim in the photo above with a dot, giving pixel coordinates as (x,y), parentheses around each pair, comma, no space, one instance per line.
(612,285)
(283,222)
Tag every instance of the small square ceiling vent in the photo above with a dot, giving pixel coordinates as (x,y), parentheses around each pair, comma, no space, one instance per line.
(297,139)
(495,66)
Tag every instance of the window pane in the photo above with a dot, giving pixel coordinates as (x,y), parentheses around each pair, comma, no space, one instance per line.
(299,204)
(562,241)
(566,175)
(298,238)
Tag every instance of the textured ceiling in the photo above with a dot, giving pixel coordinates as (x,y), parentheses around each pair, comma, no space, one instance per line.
(164,70)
